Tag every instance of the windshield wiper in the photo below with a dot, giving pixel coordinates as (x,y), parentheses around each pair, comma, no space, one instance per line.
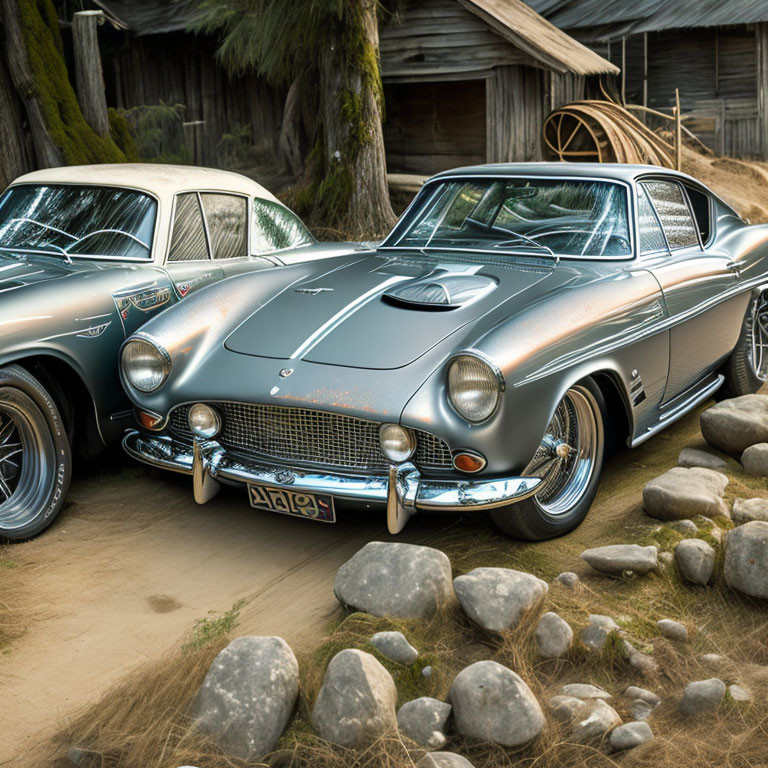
(38,252)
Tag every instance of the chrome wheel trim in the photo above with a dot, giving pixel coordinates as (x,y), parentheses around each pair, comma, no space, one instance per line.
(25,463)
(565,459)
(758,337)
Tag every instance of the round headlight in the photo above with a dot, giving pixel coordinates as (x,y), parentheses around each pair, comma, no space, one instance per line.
(474,387)
(203,420)
(397,443)
(144,365)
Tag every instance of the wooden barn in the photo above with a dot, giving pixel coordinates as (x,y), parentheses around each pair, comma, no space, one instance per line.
(470,81)
(714,52)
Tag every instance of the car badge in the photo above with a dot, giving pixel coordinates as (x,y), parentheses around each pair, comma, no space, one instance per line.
(183,289)
(312,291)
(285,478)
(274,391)
(285,373)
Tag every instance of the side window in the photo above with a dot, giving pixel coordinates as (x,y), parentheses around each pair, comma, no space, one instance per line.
(275,228)
(701,212)
(188,241)
(669,202)
(651,237)
(226,216)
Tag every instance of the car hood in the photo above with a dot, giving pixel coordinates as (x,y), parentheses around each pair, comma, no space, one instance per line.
(381,312)
(19,271)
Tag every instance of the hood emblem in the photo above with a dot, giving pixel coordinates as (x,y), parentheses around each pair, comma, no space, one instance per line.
(312,291)
(285,477)
(285,373)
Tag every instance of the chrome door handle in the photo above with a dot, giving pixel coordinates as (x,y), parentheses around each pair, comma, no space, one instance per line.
(735,267)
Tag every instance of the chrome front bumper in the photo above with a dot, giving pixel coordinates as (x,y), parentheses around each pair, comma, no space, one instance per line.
(403,490)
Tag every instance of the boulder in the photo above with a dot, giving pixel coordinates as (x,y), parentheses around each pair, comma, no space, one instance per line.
(755,460)
(248,696)
(695,560)
(584,691)
(672,630)
(444,760)
(746,559)
(615,559)
(694,457)
(747,510)
(356,703)
(394,579)
(395,647)
(601,719)
(630,735)
(737,693)
(684,493)
(498,598)
(733,425)
(566,708)
(493,703)
(554,636)
(595,634)
(568,579)
(425,721)
(702,696)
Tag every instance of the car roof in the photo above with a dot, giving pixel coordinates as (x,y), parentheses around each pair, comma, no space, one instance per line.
(158,179)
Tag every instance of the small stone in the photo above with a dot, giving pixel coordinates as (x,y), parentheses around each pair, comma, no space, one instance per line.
(443,760)
(616,559)
(666,559)
(78,756)
(601,719)
(596,633)
(702,696)
(747,510)
(685,526)
(584,691)
(713,659)
(425,721)
(554,636)
(394,646)
(746,559)
(568,579)
(694,457)
(738,693)
(755,460)
(695,560)
(566,708)
(684,493)
(672,630)
(643,663)
(641,710)
(735,424)
(498,599)
(630,735)
(427,671)
(493,703)
(633,692)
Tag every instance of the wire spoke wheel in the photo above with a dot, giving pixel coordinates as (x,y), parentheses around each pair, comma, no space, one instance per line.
(758,352)
(11,455)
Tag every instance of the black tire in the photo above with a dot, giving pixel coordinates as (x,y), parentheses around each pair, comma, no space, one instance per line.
(35,456)
(743,374)
(567,495)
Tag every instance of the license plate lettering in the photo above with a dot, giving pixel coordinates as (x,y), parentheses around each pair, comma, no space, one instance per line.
(315,506)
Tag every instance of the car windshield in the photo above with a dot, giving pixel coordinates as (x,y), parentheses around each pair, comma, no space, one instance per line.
(77,221)
(523,215)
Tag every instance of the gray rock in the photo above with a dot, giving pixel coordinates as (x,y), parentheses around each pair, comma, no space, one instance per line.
(702,696)
(630,735)
(601,719)
(641,710)
(643,663)
(684,493)
(672,630)
(595,634)
(444,760)
(685,526)
(694,457)
(554,636)
(755,460)
(427,671)
(395,647)
(695,560)
(713,659)
(248,696)
(356,703)
(493,703)
(584,691)
(643,694)
(498,598)
(394,579)
(666,559)
(746,559)
(739,694)
(733,425)
(747,510)
(615,559)
(425,721)
(568,579)
(566,708)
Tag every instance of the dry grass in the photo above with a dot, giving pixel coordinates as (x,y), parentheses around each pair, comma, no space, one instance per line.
(11,617)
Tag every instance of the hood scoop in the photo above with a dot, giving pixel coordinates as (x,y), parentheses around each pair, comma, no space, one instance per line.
(442,291)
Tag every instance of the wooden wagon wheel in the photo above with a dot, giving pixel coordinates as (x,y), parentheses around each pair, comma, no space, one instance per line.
(569,136)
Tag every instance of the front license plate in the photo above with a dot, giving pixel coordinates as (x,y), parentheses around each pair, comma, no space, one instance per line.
(315,506)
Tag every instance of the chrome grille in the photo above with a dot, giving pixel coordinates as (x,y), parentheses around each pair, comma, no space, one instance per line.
(310,437)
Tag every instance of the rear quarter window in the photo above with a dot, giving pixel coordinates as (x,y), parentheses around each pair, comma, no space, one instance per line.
(672,209)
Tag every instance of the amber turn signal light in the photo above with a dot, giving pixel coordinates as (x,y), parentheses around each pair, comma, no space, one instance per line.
(469,462)
(148,420)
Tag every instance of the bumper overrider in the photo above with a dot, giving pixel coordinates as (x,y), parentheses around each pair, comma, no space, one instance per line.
(403,490)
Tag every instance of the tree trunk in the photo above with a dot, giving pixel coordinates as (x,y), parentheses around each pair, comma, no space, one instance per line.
(18,63)
(288,142)
(352,113)
(13,151)
(88,72)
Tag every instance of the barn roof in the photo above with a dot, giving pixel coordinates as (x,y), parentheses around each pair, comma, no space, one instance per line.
(149,17)
(530,32)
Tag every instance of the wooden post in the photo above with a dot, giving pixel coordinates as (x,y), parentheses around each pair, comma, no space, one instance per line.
(678,132)
(761,40)
(88,72)
(645,69)
(623,70)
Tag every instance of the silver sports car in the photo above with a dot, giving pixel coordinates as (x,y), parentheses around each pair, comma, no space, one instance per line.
(516,320)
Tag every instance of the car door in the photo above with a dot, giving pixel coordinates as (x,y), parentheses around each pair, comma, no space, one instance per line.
(696,279)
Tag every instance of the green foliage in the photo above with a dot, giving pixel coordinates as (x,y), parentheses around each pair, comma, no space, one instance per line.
(7,563)
(76,140)
(122,134)
(213,628)
(159,132)
(234,149)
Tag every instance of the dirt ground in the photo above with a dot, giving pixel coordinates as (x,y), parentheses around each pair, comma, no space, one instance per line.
(132,563)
